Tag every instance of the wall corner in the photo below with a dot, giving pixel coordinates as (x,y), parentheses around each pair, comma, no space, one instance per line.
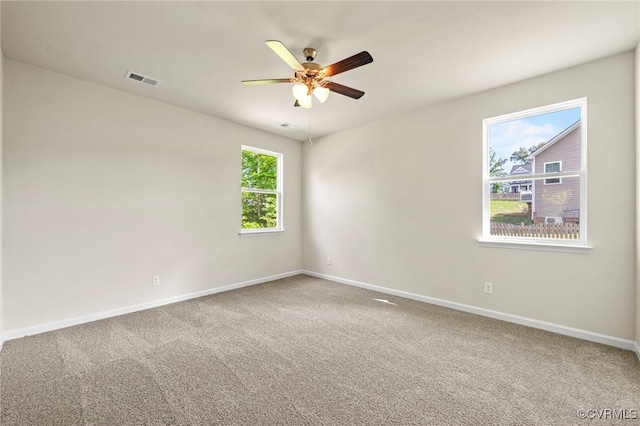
(637,75)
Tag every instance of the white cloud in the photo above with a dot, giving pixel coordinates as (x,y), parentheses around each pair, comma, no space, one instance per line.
(506,138)
(520,131)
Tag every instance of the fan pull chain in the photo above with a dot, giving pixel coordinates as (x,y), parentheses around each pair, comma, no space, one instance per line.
(309,139)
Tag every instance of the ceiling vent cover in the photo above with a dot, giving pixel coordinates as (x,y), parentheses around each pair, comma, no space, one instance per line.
(142,78)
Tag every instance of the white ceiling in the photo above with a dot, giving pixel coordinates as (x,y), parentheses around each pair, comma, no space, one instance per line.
(424,52)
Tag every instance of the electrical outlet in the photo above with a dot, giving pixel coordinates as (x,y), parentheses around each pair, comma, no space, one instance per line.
(328,261)
(488,288)
(155,280)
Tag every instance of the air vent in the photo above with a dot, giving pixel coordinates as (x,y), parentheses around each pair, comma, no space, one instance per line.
(142,78)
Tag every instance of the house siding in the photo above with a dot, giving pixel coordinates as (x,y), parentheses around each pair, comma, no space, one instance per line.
(563,199)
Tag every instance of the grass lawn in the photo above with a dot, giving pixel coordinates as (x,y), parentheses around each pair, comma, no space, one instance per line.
(509,211)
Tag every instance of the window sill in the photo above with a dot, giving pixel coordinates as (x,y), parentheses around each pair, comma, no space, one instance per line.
(258,232)
(520,245)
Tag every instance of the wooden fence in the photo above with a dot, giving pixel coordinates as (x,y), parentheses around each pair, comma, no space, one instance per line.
(566,231)
(511,196)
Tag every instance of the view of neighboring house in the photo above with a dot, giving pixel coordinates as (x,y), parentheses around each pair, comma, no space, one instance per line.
(557,200)
(518,186)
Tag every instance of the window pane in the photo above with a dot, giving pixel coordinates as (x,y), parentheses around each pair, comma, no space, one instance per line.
(524,145)
(545,212)
(259,210)
(525,150)
(259,171)
(552,167)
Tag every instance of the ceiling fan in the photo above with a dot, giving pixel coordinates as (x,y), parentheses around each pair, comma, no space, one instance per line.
(310,78)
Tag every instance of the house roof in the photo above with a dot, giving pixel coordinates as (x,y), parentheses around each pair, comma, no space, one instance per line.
(520,169)
(555,139)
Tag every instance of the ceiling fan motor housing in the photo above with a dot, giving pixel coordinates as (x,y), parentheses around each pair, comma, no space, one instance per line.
(309,53)
(312,66)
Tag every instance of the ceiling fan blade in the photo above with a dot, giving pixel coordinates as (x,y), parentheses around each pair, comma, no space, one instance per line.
(355,61)
(344,90)
(284,53)
(269,81)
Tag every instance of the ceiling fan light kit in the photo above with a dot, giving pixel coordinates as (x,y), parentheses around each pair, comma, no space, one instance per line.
(301,91)
(321,93)
(310,78)
(304,102)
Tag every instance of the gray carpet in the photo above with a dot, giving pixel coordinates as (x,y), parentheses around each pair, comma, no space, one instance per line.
(305,351)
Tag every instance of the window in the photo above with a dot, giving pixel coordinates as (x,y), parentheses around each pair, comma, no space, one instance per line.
(261,188)
(545,149)
(554,167)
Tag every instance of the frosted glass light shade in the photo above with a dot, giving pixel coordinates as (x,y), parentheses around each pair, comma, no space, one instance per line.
(322,93)
(305,102)
(300,91)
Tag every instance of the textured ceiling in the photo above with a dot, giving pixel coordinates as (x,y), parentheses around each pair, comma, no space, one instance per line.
(424,52)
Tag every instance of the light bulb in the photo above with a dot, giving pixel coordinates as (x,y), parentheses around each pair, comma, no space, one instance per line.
(300,91)
(322,93)
(305,102)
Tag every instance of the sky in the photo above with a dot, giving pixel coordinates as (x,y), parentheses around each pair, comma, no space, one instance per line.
(506,138)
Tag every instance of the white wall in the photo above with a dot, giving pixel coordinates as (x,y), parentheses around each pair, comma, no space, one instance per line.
(104,189)
(398,204)
(638,199)
(1,201)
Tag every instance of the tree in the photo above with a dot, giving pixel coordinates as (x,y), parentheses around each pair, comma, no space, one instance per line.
(534,148)
(520,156)
(259,171)
(496,168)
(259,209)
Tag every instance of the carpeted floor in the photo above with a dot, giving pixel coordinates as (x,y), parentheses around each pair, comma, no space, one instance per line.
(305,351)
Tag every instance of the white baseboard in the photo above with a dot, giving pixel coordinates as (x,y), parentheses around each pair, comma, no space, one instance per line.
(42,328)
(555,328)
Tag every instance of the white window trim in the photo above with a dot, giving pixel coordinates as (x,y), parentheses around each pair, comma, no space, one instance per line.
(279,229)
(542,245)
(556,245)
(544,167)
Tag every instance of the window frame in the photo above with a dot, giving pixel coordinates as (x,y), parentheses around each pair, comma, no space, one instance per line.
(545,244)
(546,181)
(278,192)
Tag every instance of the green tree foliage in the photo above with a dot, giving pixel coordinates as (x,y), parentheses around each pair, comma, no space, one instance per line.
(496,168)
(259,171)
(520,156)
(534,148)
